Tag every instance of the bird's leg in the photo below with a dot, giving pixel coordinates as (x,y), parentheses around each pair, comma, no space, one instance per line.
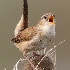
(44,50)
(38,52)
(41,51)
(29,61)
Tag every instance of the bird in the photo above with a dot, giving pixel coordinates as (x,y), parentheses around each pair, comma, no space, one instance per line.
(35,38)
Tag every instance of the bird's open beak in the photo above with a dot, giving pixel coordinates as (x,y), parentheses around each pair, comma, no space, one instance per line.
(51,19)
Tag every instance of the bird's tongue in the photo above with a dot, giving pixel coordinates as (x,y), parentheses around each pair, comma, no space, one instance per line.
(51,19)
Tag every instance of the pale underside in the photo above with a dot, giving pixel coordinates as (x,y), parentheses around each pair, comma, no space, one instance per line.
(34,39)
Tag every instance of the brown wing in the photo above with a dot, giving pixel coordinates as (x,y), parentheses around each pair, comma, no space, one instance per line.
(25,35)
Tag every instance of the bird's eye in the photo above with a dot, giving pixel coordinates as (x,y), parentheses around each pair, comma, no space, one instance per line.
(45,17)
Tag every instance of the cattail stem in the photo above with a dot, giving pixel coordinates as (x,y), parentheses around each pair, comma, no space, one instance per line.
(25,13)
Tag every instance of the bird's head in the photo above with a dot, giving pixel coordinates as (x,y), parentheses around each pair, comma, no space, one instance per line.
(49,17)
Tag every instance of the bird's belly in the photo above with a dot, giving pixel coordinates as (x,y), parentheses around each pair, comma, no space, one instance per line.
(33,45)
(36,46)
(39,44)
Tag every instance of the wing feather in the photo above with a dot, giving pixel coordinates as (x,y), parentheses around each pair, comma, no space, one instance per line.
(25,35)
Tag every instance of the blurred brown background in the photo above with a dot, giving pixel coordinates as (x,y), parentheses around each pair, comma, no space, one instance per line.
(10,13)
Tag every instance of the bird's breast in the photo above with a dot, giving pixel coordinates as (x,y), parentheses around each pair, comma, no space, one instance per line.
(48,30)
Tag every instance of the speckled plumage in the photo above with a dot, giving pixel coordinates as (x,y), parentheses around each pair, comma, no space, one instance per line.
(37,37)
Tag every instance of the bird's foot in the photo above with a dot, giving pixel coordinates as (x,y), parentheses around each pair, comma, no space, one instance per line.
(35,54)
(29,61)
